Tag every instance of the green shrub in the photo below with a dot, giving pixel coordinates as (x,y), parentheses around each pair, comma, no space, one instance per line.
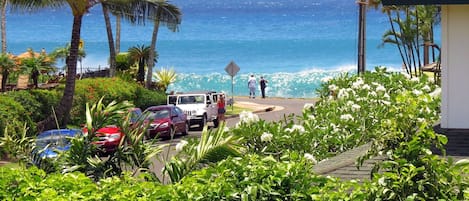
(29,103)
(47,99)
(145,98)
(91,90)
(13,114)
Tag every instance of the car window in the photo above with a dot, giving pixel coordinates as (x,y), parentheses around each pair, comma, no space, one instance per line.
(53,141)
(159,114)
(135,114)
(178,110)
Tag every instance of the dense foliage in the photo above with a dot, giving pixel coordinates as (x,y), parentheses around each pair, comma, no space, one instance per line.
(256,160)
(112,89)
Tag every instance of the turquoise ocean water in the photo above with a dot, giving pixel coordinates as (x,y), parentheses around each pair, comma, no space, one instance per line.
(292,43)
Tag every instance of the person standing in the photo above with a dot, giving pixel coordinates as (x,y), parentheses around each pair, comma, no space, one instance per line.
(221,108)
(263,83)
(252,83)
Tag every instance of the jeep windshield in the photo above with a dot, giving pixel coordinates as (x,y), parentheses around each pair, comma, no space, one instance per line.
(192,99)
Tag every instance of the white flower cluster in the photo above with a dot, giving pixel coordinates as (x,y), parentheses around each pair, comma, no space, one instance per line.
(181,145)
(311,158)
(248,117)
(295,127)
(346,117)
(266,137)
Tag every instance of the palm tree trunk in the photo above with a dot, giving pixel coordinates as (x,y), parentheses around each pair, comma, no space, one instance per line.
(5,74)
(110,39)
(4,26)
(151,57)
(388,12)
(118,34)
(62,111)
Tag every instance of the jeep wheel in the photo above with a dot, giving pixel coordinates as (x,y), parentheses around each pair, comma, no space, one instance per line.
(203,122)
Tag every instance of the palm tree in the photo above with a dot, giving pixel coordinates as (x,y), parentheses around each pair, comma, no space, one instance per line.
(161,12)
(140,55)
(166,14)
(36,63)
(165,77)
(63,52)
(78,8)
(6,65)
(3,23)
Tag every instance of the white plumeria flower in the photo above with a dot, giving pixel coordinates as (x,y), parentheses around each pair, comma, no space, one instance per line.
(436,93)
(311,116)
(415,79)
(372,93)
(226,129)
(333,87)
(358,83)
(426,88)
(380,88)
(248,117)
(311,158)
(309,106)
(295,127)
(266,137)
(343,94)
(326,79)
(420,120)
(350,103)
(355,107)
(181,145)
(346,117)
(417,92)
(386,96)
(366,87)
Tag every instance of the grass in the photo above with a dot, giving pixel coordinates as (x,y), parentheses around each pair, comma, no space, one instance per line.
(236,110)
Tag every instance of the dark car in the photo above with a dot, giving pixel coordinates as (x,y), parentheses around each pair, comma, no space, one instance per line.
(110,136)
(49,143)
(166,119)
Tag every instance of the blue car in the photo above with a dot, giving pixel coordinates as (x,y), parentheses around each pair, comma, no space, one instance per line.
(48,143)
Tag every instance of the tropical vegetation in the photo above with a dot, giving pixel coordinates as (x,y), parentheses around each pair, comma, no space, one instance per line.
(258,160)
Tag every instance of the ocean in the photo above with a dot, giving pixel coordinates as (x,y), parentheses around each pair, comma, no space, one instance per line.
(292,43)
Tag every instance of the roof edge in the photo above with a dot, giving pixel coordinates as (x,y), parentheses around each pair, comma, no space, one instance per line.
(423,2)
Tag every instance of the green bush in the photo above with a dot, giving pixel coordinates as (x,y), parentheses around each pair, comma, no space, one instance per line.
(47,99)
(91,90)
(145,98)
(13,114)
(29,103)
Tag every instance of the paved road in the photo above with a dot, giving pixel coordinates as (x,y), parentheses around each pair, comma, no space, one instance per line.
(279,106)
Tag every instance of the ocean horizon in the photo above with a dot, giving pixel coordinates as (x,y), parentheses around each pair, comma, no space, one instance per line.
(292,43)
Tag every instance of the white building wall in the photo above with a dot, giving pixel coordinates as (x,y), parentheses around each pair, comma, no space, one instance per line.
(455,66)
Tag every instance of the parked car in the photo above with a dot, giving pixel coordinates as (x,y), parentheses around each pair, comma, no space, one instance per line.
(199,106)
(50,143)
(110,136)
(166,119)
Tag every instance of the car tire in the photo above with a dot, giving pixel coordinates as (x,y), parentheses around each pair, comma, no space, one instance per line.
(186,129)
(216,123)
(203,122)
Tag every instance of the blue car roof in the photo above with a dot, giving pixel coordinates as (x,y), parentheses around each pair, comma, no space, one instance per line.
(66,132)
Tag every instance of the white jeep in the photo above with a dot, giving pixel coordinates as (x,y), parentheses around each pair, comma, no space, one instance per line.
(200,107)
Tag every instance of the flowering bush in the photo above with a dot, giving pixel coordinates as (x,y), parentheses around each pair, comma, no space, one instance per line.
(352,111)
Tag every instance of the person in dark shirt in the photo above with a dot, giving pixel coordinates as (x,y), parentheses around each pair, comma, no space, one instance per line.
(263,83)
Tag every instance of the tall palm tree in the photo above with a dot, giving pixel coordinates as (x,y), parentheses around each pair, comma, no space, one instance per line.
(166,14)
(161,12)
(3,23)
(140,55)
(78,8)
(7,64)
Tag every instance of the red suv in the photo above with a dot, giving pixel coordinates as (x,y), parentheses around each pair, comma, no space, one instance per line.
(166,119)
